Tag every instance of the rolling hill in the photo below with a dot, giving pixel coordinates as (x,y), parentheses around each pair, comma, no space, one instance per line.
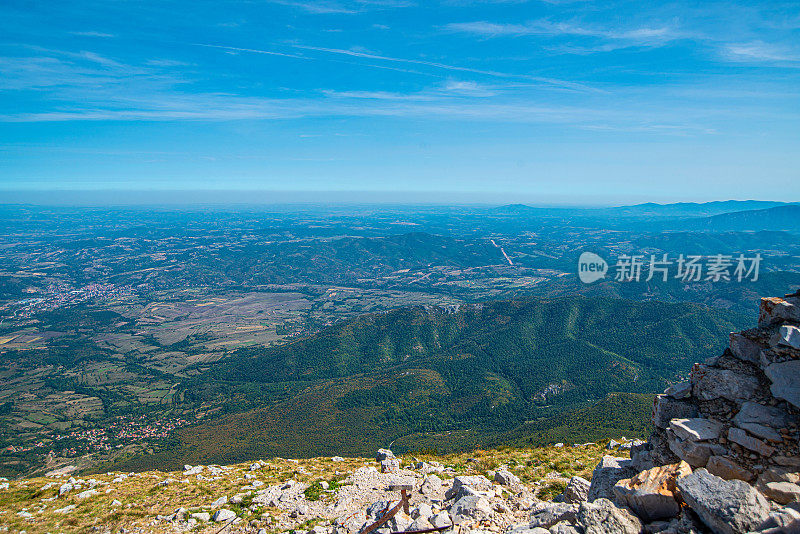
(496,372)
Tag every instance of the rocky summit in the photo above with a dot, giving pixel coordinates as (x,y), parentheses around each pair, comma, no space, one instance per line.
(723,458)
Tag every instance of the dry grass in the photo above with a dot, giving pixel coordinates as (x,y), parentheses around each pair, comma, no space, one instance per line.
(143,499)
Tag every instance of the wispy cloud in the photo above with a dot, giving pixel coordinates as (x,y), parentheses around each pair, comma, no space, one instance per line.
(332,7)
(759,52)
(252,51)
(93,34)
(564,84)
(545,27)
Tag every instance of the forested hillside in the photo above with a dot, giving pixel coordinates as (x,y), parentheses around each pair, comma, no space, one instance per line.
(487,373)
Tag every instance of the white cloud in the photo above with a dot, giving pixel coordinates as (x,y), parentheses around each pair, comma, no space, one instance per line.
(759,51)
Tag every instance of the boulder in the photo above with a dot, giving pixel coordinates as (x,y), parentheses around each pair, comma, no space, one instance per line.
(201,516)
(563,528)
(442,519)
(524,529)
(223,515)
(666,408)
(737,435)
(88,494)
(400,522)
(745,349)
(390,465)
(652,494)
(506,477)
(761,420)
(778,310)
(710,383)
(786,520)
(421,523)
(696,429)
(470,507)
(779,474)
(781,492)
(547,514)
(431,484)
(785,378)
(474,482)
(788,336)
(383,454)
(695,453)
(641,457)
(608,472)
(602,517)
(680,390)
(726,468)
(577,490)
(423,510)
(725,506)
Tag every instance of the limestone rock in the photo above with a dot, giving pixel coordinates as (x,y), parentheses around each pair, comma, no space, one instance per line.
(652,493)
(786,520)
(470,507)
(602,517)
(400,522)
(696,429)
(383,454)
(761,420)
(563,528)
(788,336)
(475,482)
(577,490)
(423,510)
(737,435)
(725,506)
(431,484)
(223,515)
(710,383)
(680,390)
(695,453)
(547,514)
(785,378)
(442,519)
(420,523)
(744,348)
(88,494)
(666,408)
(778,310)
(390,465)
(726,468)
(781,492)
(608,472)
(506,477)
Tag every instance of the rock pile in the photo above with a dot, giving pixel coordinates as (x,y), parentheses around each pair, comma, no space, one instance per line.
(724,456)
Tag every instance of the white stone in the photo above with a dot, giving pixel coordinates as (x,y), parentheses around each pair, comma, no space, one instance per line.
(696,429)
(223,514)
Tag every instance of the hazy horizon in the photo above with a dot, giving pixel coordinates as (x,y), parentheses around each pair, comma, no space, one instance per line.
(230,197)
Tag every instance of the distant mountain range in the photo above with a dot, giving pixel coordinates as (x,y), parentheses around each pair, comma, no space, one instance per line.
(718,216)
(647,210)
(785,218)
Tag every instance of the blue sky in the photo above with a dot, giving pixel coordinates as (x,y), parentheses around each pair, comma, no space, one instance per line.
(573,101)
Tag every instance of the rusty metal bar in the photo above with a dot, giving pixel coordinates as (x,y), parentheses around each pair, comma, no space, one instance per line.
(424,531)
(388,515)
